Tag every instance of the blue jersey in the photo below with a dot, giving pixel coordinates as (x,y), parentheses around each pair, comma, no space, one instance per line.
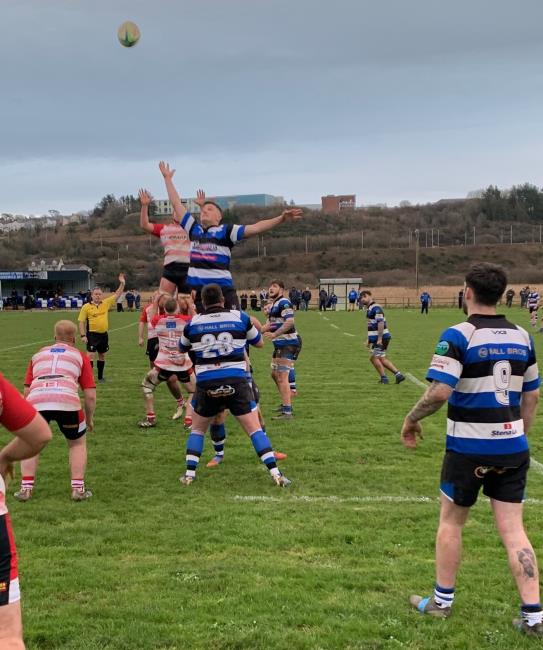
(353,295)
(376,315)
(210,252)
(489,362)
(217,339)
(425,298)
(280,313)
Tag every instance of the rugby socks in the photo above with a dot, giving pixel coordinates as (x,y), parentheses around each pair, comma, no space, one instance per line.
(443,597)
(100,365)
(218,437)
(181,402)
(292,380)
(264,450)
(27,483)
(78,484)
(286,409)
(195,447)
(531,614)
(151,416)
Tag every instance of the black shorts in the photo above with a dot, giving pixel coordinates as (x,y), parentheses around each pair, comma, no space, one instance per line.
(177,273)
(532,309)
(152,348)
(231,300)
(97,342)
(213,398)
(254,388)
(71,423)
(182,375)
(463,476)
(287,352)
(9,581)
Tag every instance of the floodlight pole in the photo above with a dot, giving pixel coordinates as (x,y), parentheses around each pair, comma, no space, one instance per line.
(417,234)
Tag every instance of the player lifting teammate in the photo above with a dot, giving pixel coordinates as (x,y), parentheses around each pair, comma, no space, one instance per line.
(52,380)
(217,338)
(94,324)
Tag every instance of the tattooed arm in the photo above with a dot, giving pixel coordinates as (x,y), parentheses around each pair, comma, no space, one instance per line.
(433,399)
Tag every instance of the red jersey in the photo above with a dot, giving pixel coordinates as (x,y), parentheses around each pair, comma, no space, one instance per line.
(175,241)
(55,374)
(15,413)
(169,328)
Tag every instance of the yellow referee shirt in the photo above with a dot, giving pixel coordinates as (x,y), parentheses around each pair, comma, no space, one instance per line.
(96,315)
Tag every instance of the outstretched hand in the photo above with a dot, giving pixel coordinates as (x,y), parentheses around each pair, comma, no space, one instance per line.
(200,198)
(145,197)
(166,170)
(122,279)
(410,431)
(292,214)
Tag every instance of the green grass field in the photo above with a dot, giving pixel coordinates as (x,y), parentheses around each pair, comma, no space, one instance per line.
(233,562)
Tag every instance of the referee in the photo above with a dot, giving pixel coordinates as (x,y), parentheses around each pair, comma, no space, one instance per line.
(93,324)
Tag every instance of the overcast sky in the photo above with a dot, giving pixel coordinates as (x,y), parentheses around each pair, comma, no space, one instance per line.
(388,99)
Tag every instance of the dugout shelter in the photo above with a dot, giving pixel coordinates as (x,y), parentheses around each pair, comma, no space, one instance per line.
(341,287)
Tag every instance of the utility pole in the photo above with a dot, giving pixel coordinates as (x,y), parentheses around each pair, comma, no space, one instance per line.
(474,235)
(362,240)
(417,258)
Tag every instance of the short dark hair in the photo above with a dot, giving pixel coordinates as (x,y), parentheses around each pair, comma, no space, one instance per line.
(366,292)
(170,305)
(279,283)
(488,282)
(212,295)
(215,204)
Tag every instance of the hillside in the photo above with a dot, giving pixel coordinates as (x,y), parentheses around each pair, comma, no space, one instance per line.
(377,244)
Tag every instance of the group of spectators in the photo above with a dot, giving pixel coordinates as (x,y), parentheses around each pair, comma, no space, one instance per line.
(300,299)
(132,299)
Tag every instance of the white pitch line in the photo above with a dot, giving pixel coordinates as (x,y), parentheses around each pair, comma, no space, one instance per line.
(348,334)
(415,380)
(325,318)
(535,464)
(340,500)
(334,326)
(27,345)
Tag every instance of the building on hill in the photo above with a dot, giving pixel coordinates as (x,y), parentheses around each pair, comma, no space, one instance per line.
(332,204)
(164,207)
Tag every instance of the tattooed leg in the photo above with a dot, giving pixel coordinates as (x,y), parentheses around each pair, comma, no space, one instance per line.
(521,556)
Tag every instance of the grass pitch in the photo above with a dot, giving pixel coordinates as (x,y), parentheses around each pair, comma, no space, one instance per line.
(233,562)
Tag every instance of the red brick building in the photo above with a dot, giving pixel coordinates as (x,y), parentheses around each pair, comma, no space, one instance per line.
(333,204)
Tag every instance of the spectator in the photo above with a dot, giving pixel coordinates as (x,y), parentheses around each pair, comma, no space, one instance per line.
(332,301)
(137,299)
(263,298)
(509,297)
(460,298)
(306,299)
(524,296)
(425,301)
(323,298)
(120,301)
(254,300)
(243,300)
(130,299)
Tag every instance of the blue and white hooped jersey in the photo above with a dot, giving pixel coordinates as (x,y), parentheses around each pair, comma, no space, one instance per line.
(210,252)
(532,300)
(280,313)
(376,315)
(489,362)
(217,339)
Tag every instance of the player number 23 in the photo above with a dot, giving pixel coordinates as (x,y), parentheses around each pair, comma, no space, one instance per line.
(216,346)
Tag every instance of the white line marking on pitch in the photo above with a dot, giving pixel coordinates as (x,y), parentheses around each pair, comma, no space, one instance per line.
(535,464)
(325,318)
(334,326)
(27,345)
(368,499)
(415,380)
(348,334)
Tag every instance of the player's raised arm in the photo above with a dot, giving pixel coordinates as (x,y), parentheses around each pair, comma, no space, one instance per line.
(120,288)
(145,201)
(179,210)
(264,225)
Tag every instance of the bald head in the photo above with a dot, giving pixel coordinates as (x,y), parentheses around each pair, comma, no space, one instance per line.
(65,331)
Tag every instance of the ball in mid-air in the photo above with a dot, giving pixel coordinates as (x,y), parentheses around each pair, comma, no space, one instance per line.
(128,34)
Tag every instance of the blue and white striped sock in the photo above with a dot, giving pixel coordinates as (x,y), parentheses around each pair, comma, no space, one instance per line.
(263,448)
(443,596)
(292,378)
(218,437)
(195,447)
(531,614)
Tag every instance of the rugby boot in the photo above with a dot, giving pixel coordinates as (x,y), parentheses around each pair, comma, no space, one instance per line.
(81,495)
(186,480)
(429,606)
(215,461)
(281,480)
(24,494)
(530,630)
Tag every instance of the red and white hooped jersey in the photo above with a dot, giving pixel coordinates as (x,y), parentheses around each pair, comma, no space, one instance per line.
(54,376)
(144,318)
(15,413)
(169,329)
(175,240)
